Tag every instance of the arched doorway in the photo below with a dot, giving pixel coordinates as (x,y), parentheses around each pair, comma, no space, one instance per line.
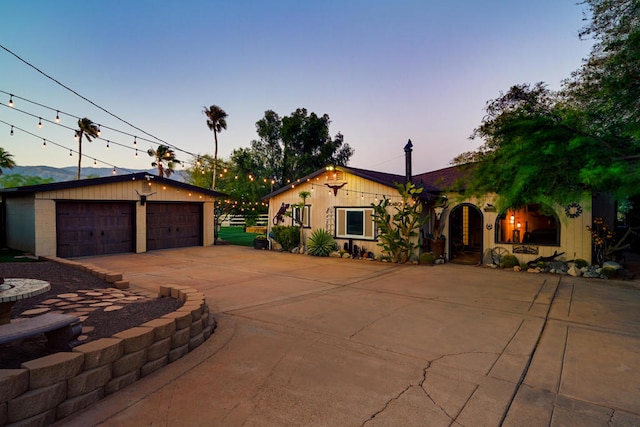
(465,234)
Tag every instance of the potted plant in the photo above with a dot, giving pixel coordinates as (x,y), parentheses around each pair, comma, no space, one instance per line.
(260,242)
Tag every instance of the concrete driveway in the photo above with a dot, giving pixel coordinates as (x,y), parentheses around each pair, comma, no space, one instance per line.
(306,341)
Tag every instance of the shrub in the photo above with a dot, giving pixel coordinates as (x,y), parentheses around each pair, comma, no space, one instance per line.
(509,261)
(287,236)
(320,243)
(609,272)
(427,258)
(580,263)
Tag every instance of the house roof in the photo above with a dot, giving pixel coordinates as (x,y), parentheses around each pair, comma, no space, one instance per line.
(54,186)
(434,182)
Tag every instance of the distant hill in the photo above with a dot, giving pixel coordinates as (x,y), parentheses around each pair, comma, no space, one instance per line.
(69,173)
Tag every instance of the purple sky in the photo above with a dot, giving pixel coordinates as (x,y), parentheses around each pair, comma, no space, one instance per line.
(383,71)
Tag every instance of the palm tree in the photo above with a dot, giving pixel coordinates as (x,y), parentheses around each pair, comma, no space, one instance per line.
(6,160)
(163,154)
(216,120)
(89,130)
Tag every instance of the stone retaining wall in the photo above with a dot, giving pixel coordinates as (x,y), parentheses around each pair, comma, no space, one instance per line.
(52,387)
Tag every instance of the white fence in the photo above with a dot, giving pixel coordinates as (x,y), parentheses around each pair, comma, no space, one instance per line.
(239,221)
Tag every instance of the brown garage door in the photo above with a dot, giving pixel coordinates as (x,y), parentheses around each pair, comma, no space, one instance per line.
(173,225)
(94,228)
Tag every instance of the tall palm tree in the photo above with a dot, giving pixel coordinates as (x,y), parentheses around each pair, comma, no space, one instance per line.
(6,160)
(163,155)
(89,130)
(216,120)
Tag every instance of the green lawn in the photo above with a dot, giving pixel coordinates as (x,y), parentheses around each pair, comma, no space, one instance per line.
(9,255)
(237,236)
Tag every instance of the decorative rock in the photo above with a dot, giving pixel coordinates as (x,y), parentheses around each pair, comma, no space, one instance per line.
(113,308)
(611,264)
(517,268)
(574,271)
(53,369)
(439,261)
(533,270)
(68,296)
(335,255)
(35,311)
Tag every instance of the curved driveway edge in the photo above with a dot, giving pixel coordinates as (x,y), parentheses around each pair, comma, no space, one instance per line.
(322,341)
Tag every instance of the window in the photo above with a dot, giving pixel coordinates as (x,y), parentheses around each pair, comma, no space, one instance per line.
(306,217)
(532,224)
(355,223)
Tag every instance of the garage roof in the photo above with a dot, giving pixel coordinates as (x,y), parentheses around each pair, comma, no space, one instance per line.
(29,189)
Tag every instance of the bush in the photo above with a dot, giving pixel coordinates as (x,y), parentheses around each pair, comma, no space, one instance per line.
(609,272)
(320,243)
(287,236)
(580,263)
(427,258)
(509,261)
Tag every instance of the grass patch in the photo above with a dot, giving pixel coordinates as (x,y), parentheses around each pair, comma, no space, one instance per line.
(237,236)
(12,255)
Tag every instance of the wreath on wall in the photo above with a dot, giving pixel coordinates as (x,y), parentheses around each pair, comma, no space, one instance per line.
(573,210)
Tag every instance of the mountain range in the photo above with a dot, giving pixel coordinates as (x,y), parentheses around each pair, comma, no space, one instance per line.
(69,173)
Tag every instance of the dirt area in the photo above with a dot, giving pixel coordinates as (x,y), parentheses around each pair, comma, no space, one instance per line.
(65,280)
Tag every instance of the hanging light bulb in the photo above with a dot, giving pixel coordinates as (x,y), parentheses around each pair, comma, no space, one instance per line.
(99,131)
(75,136)
(10,100)
(135,142)
(136,152)
(44,143)
(70,153)
(107,144)
(362,196)
(114,171)
(57,116)
(94,162)
(11,131)
(40,122)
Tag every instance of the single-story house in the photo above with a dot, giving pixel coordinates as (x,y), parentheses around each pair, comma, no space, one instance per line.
(341,199)
(121,213)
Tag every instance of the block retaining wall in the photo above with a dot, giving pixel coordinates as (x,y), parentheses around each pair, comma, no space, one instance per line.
(50,388)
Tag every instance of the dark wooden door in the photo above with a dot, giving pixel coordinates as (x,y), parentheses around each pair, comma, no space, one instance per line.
(173,225)
(94,228)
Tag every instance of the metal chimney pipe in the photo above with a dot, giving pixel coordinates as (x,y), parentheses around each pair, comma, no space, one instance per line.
(407,157)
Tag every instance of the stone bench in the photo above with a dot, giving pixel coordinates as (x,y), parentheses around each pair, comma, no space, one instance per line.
(59,329)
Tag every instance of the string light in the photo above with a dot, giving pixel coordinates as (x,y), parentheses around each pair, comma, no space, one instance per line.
(107,144)
(95,163)
(99,131)
(10,100)
(114,171)
(70,153)
(136,153)
(11,131)
(57,116)
(44,143)
(40,122)
(135,142)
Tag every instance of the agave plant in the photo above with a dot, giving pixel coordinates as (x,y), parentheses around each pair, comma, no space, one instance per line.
(320,243)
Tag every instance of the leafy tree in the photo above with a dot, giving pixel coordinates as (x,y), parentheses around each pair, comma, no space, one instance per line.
(216,121)
(165,159)
(89,130)
(293,146)
(544,146)
(6,160)
(18,180)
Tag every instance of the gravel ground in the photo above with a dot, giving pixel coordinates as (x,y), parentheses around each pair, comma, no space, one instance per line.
(66,279)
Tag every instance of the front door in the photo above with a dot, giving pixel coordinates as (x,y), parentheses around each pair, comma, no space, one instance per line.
(465,234)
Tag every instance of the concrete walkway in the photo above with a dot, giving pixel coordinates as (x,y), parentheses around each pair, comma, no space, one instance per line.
(306,341)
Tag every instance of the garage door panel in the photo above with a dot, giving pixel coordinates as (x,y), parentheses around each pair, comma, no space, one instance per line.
(173,225)
(94,228)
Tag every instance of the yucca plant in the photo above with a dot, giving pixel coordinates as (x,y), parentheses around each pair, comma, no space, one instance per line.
(320,243)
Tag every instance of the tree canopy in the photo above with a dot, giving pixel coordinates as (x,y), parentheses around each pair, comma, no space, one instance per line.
(296,145)
(540,145)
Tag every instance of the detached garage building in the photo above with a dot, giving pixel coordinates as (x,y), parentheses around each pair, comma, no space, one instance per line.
(124,213)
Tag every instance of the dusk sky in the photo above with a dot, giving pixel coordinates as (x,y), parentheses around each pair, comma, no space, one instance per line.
(384,71)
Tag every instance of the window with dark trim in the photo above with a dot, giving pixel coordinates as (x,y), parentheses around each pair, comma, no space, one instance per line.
(306,219)
(355,223)
(532,224)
